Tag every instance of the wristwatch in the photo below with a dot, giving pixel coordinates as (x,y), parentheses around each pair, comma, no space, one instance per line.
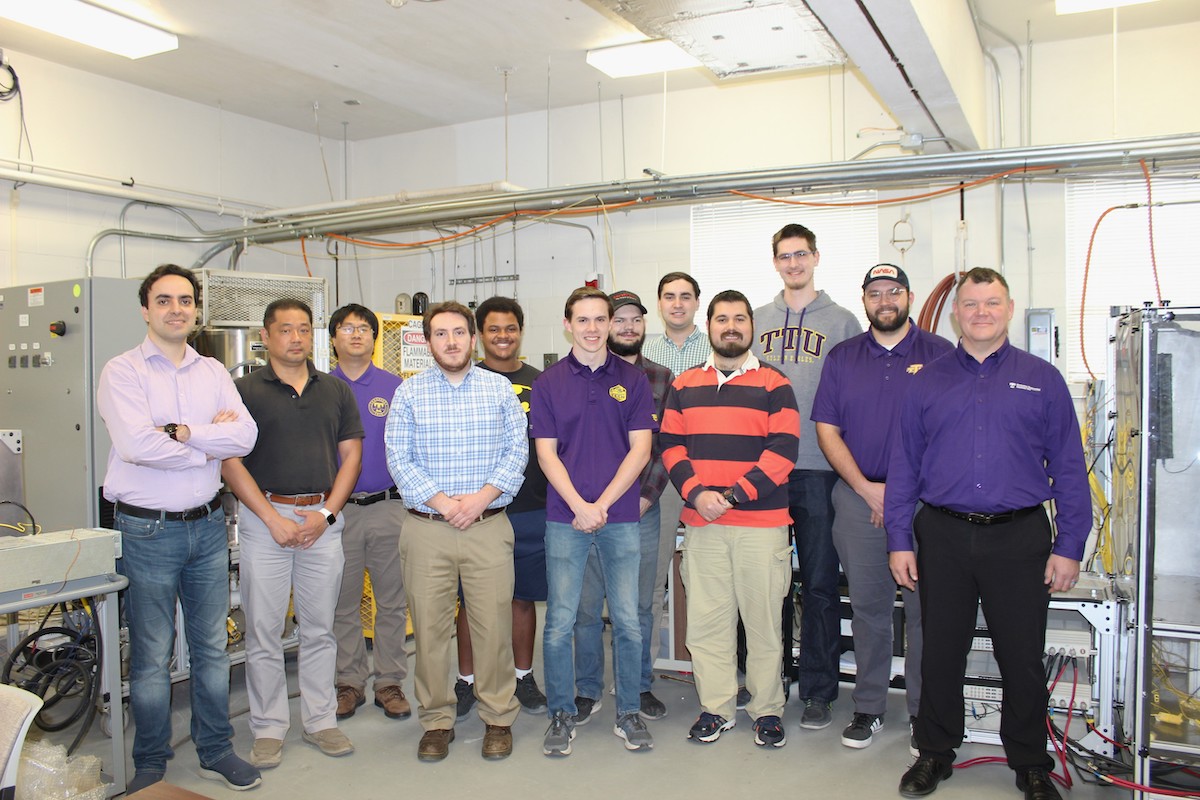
(730,497)
(330,517)
(170,429)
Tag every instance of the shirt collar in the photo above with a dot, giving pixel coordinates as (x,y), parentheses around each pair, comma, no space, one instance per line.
(751,363)
(967,360)
(900,348)
(577,366)
(152,350)
(268,372)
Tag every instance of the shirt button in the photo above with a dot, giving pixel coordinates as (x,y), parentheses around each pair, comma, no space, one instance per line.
(979,486)
(979,428)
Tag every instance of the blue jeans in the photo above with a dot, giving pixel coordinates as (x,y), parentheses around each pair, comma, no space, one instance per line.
(811,505)
(618,547)
(165,561)
(589,623)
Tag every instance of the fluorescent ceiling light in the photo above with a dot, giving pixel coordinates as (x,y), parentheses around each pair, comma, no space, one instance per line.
(640,58)
(1079,6)
(90,25)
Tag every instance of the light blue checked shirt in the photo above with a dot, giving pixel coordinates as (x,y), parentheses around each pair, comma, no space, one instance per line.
(454,439)
(661,350)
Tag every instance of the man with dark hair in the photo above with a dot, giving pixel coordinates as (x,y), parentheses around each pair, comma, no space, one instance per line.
(501,322)
(457,442)
(729,439)
(292,487)
(986,435)
(680,347)
(593,419)
(625,339)
(855,410)
(371,538)
(795,333)
(172,416)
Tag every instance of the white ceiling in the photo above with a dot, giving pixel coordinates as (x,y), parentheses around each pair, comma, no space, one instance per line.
(429,64)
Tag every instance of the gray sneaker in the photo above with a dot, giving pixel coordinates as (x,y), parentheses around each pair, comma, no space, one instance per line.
(817,715)
(559,735)
(585,707)
(631,728)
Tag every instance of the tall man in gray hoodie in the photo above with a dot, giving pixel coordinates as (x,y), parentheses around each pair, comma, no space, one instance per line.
(794,333)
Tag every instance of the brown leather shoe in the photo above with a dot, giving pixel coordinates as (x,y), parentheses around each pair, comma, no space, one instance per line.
(391,699)
(349,699)
(497,742)
(435,744)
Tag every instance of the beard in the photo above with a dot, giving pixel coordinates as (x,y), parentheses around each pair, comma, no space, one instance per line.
(625,349)
(452,363)
(887,327)
(730,349)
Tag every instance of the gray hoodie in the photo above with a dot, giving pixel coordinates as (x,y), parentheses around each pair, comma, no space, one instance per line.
(797,342)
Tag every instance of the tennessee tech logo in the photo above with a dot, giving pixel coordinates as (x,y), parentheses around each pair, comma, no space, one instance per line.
(780,345)
(913,369)
(378,407)
(618,393)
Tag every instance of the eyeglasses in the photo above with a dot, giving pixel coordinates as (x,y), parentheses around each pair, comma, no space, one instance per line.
(352,329)
(875,295)
(797,255)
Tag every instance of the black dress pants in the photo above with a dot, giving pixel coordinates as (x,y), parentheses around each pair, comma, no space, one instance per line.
(1002,567)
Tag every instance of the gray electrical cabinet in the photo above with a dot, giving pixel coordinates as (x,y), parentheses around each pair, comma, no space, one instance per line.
(55,338)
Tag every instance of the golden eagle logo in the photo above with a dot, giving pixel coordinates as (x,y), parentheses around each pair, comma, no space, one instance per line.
(378,407)
(618,393)
(913,369)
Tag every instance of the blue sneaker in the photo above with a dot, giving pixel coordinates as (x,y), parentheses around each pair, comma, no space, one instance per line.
(233,772)
(768,732)
(709,727)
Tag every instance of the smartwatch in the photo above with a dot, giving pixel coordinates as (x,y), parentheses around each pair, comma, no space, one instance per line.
(330,517)
(170,429)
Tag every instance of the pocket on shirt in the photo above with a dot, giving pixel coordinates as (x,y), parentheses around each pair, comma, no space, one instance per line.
(138,528)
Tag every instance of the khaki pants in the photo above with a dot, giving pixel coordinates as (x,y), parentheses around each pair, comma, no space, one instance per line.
(729,570)
(436,556)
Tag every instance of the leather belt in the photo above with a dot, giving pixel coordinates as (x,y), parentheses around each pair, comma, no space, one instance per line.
(976,518)
(487,512)
(192,514)
(298,499)
(370,499)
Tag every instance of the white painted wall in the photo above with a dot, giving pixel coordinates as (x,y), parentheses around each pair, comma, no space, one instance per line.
(82,122)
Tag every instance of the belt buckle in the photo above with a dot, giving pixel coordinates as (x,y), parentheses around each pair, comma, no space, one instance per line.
(975,518)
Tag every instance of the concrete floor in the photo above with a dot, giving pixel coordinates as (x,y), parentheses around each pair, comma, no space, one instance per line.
(813,764)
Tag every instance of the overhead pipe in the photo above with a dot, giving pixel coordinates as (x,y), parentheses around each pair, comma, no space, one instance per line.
(668,190)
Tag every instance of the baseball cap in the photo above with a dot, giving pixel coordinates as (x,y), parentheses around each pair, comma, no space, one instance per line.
(625,298)
(886,272)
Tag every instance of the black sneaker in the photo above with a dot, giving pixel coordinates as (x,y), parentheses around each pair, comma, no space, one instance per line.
(584,708)
(817,715)
(465,692)
(862,728)
(743,698)
(768,731)
(651,707)
(709,727)
(529,695)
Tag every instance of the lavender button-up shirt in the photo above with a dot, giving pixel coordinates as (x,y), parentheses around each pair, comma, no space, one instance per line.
(141,390)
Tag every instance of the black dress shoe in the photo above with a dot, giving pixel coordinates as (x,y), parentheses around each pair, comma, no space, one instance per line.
(1037,785)
(923,777)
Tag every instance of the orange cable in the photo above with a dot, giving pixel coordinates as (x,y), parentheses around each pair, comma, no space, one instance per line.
(1087,266)
(894,200)
(1150,218)
(304,253)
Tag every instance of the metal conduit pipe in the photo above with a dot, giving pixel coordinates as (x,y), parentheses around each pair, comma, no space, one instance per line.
(148,204)
(893,172)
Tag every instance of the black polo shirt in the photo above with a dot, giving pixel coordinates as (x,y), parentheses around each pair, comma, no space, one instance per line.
(298,434)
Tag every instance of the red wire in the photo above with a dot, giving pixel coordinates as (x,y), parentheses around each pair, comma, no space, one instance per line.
(1087,267)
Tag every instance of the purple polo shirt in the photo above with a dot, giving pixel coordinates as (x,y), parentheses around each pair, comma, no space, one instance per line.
(989,438)
(591,413)
(862,383)
(373,393)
